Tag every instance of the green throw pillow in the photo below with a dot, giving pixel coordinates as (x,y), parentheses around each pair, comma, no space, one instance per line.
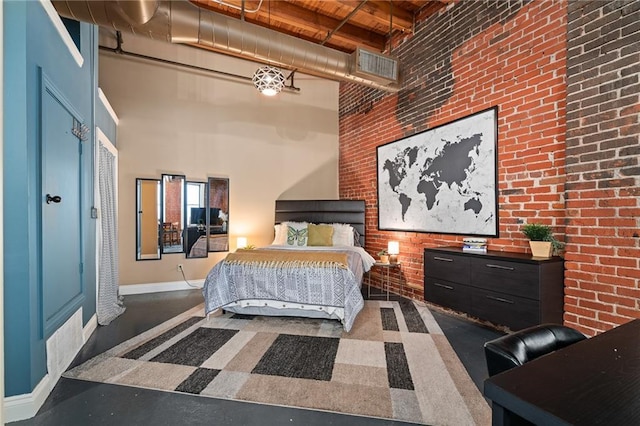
(320,235)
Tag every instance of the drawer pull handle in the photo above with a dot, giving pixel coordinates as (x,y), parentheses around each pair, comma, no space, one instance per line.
(500,299)
(508,268)
(448,287)
(444,259)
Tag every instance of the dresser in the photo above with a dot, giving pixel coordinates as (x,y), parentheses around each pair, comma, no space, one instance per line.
(510,289)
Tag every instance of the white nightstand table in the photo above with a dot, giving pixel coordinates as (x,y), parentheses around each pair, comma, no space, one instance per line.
(386,277)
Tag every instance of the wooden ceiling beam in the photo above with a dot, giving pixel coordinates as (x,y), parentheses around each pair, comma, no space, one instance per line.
(380,13)
(304,23)
(297,16)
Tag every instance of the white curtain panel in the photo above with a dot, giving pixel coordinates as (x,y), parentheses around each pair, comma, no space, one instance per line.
(109,303)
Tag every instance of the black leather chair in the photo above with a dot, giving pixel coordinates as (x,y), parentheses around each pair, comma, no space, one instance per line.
(515,349)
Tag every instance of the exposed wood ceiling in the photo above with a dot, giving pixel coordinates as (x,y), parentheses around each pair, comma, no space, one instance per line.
(339,24)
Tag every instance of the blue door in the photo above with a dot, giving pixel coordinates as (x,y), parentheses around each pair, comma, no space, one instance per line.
(62,289)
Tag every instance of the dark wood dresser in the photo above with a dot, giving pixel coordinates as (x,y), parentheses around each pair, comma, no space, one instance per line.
(510,289)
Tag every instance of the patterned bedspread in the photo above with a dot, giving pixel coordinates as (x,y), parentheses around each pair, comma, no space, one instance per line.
(320,283)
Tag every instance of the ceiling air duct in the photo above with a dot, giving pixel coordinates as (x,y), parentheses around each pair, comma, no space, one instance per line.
(183,22)
(375,66)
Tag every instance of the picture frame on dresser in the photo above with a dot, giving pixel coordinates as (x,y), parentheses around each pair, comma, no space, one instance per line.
(442,180)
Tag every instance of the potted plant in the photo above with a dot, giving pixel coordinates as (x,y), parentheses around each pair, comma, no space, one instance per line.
(541,240)
(384,256)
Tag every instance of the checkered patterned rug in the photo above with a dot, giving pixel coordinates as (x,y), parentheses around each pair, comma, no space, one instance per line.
(395,363)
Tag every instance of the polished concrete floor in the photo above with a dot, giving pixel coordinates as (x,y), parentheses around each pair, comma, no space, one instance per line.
(76,402)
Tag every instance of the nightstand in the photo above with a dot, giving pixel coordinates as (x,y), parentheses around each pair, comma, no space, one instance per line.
(386,275)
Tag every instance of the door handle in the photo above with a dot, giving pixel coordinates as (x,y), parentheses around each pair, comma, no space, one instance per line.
(53,199)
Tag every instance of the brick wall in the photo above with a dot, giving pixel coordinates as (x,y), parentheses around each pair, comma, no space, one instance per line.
(603,173)
(173,205)
(219,196)
(468,56)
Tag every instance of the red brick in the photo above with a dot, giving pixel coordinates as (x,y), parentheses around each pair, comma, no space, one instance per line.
(615,280)
(629,292)
(617,300)
(628,313)
(581,294)
(616,319)
(600,269)
(631,273)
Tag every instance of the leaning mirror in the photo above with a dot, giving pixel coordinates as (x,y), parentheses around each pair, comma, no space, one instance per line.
(218,214)
(195,235)
(172,222)
(147,219)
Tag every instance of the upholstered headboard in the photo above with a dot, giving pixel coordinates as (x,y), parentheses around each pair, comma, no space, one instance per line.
(323,211)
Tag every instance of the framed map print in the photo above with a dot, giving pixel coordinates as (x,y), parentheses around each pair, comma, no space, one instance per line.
(443,180)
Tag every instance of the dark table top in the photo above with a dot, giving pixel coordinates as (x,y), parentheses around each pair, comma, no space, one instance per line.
(592,382)
(496,255)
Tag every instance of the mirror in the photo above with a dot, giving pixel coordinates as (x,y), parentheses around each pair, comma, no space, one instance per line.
(172,223)
(218,214)
(195,236)
(147,219)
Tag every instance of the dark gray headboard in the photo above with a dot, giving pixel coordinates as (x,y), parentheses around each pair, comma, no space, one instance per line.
(323,211)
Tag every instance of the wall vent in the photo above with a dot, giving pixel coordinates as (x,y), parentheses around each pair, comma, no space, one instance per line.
(376,66)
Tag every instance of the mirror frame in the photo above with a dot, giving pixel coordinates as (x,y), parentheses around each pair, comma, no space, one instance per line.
(139,234)
(196,230)
(179,231)
(218,246)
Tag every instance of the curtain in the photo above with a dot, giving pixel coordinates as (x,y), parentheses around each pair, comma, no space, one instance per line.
(109,303)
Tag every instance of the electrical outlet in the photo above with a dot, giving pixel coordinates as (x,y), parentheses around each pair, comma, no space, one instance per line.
(179,267)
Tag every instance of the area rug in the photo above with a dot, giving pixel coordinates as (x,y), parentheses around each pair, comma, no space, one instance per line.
(395,363)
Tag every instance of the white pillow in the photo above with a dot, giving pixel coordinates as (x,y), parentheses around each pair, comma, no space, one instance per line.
(281,234)
(342,234)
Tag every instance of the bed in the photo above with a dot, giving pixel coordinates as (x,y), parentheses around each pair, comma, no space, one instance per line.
(314,268)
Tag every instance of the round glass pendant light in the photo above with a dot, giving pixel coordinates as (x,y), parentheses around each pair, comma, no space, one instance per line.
(268,80)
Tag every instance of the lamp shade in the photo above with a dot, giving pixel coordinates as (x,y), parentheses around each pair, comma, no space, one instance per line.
(393,247)
(268,80)
(242,242)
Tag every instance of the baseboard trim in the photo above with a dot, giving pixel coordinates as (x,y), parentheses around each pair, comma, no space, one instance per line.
(126,290)
(25,406)
(88,329)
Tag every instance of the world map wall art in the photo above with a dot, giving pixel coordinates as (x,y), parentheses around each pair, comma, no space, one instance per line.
(443,180)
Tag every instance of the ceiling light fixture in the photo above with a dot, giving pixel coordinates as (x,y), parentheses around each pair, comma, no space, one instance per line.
(268,80)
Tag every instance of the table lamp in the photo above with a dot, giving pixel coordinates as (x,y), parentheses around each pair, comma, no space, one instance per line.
(241,243)
(393,248)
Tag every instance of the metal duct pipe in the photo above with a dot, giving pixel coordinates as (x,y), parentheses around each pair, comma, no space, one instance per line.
(183,22)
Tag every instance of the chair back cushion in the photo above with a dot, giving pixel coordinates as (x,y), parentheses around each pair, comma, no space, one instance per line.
(525,345)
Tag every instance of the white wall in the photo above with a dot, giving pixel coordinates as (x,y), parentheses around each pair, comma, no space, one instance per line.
(180,121)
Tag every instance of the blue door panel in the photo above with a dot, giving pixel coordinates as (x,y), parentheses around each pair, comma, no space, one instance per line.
(62,287)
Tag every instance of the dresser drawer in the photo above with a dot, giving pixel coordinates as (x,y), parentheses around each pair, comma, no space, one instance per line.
(499,308)
(447,267)
(444,293)
(518,279)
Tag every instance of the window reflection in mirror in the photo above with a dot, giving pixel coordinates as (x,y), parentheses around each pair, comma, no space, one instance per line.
(172,224)
(195,237)
(218,214)
(147,219)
